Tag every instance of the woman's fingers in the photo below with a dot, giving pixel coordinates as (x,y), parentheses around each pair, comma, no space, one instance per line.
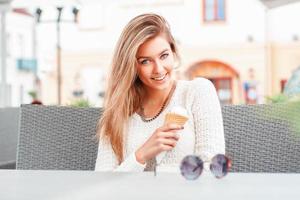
(168,141)
(166,148)
(163,139)
(170,127)
(168,135)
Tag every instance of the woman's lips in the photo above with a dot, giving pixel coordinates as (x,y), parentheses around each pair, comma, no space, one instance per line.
(160,78)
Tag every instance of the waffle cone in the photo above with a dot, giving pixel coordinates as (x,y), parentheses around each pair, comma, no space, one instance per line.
(175,118)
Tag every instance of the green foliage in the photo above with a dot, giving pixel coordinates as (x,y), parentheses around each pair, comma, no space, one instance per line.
(282,98)
(33,94)
(278,98)
(292,111)
(81,103)
(295,98)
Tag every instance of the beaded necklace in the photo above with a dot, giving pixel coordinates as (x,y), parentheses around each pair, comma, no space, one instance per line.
(144,119)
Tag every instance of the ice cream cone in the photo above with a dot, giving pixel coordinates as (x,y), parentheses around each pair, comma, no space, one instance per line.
(177,115)
(175,118)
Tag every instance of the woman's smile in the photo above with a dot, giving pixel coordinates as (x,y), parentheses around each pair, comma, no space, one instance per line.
(160,78)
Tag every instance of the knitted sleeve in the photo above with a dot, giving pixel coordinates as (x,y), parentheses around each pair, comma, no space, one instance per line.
(208,122)
(107,161)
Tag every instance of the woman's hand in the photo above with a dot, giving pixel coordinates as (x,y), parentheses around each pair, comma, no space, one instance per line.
(163,139)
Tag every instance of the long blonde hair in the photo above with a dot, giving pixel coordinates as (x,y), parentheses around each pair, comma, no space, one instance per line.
(124,88)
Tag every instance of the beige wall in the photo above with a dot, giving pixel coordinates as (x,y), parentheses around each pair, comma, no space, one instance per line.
(72,64)
(285,59)
(49,88)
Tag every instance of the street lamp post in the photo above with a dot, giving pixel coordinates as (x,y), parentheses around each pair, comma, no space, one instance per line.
(58,51)
(58,42)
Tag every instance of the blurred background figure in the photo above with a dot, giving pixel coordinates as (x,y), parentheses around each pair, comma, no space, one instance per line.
(251,88)
(61,49)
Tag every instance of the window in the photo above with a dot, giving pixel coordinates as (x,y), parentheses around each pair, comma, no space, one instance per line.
(213,10)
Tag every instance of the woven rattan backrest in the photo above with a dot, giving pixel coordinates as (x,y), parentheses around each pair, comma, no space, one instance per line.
(58,138)
(263,138)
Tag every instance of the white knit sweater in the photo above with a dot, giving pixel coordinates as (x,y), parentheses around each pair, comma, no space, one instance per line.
(202,135)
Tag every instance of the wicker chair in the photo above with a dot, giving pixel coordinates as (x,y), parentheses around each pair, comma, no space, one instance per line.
(57,138)
(263,138)
(259,138)
(9,121)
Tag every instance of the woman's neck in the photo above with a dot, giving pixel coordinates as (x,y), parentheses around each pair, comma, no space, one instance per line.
(154,98)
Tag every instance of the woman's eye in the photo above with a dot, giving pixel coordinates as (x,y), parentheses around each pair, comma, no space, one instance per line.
(144,62)
(165,55)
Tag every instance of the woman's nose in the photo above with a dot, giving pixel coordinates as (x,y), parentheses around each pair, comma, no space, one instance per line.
(158,67)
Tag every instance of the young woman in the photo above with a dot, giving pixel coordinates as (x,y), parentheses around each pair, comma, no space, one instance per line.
(141,90)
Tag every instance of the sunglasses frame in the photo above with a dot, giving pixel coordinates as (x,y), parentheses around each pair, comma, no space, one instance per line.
(202,163)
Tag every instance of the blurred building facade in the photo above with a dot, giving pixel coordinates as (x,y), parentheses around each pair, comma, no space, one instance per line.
(246,50)
(21,64)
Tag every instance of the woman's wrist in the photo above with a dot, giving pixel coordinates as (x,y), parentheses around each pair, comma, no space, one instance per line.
(139,157)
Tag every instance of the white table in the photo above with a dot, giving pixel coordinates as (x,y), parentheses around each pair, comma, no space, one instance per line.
(87,185)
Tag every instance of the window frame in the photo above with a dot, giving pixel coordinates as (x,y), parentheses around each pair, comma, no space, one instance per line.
(215,20)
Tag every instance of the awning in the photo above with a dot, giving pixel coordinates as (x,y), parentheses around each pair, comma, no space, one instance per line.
(277,3)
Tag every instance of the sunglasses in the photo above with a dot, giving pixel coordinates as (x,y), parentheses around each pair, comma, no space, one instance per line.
(192,166)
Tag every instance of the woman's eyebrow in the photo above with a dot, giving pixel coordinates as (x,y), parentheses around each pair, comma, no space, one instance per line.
(149,57)
(163,51)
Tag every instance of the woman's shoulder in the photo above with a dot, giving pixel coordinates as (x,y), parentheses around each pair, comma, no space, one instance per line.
(202,82)
(190,91)
(197,84)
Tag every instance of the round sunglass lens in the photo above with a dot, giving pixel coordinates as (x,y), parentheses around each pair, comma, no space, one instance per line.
(191,167)
(220,165)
